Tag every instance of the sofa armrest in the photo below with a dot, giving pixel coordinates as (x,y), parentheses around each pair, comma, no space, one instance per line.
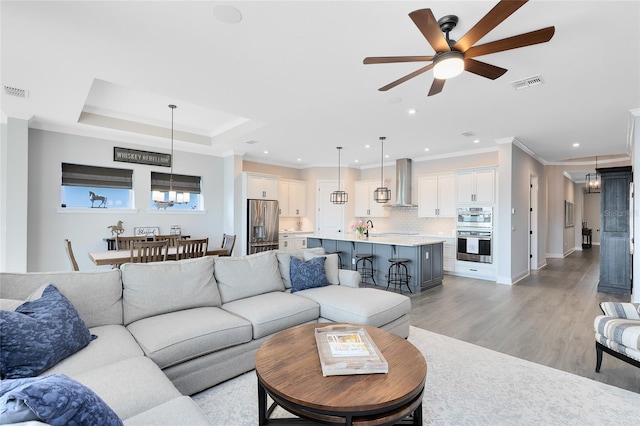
(621,309)
(349,278)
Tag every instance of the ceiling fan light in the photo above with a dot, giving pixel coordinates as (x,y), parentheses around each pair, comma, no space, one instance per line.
(448,65)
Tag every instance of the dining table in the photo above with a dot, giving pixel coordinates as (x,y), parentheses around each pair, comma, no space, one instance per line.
(118,257)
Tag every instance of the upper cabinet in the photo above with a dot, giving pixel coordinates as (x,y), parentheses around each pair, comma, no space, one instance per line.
(365,205)
(436,196)
(476,186)
(260,186)
(292,197)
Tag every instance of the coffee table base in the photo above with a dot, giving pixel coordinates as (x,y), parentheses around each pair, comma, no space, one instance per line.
(406,414)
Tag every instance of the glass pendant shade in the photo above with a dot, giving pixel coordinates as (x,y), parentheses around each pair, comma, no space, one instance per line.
(593,181)
(338,196)
(382,194)
(448,65)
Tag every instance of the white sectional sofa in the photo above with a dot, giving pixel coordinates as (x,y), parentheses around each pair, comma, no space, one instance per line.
(167,330)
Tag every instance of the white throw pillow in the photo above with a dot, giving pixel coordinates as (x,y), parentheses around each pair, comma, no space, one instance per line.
(330,265)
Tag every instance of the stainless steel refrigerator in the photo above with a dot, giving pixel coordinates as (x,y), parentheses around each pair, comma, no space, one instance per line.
(263,223)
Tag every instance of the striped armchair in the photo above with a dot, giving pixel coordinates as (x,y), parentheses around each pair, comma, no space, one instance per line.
(618,332)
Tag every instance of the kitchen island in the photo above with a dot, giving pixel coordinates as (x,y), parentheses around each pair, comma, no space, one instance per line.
(425,255)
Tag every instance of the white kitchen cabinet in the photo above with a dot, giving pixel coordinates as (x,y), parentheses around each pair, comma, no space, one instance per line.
(364,204)
(292,198)
(476,186)
(436,196)
(292,241)
(449,255)
(260,186)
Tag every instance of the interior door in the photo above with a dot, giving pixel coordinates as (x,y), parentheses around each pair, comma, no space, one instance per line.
(329,217)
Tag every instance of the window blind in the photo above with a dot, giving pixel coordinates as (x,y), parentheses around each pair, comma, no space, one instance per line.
(102,177)
(181,183)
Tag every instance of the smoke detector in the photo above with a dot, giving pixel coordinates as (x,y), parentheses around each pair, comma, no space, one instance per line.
(525,83)
(14,91)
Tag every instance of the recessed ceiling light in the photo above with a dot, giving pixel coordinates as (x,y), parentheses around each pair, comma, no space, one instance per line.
(412,111)
(476,141)
(575,145)
(367,146)
(426,149)
(357,161)
(227,14)
(299,159)
(265,151)
(386,156)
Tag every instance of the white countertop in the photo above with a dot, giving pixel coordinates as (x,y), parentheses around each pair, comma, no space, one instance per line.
(282,231)
(382,238)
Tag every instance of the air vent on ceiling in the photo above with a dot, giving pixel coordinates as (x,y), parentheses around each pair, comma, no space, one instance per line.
(14,91)
(525,83)
(468,134)
(252,142)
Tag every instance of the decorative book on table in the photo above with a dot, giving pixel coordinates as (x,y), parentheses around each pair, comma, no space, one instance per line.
(348,349)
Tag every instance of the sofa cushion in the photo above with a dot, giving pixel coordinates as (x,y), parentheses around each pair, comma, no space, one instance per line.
(176,337)
(96,295)
(114,343)
(160,287)
(246,276)
(309,274)
(621,309)
(56,400)
(622,331)
(330,265)
(39,334)
(284,261)
(130,386)
(273,312)
(368,306)
(178,411)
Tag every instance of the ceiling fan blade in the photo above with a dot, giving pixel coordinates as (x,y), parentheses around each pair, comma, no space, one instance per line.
(492,19)
(428,26)
(436,86)
(522,40)
(483,69)
(405,78)
(393,59)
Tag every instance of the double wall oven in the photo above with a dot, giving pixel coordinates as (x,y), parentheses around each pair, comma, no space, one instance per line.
(474,231)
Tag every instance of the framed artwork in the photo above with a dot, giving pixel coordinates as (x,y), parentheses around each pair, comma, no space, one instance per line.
(568,214)
(149,231)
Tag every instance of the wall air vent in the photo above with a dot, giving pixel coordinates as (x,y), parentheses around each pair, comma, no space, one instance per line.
(14,91)
(525,83)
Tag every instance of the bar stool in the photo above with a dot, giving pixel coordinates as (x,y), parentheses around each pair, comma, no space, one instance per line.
(364,265)
(339,258)
(398,273)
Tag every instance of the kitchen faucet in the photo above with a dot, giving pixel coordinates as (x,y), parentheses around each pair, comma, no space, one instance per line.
(367,231)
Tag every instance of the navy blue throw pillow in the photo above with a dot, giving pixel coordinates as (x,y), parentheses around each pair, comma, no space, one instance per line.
(55,400)
(39,334)
(309,274)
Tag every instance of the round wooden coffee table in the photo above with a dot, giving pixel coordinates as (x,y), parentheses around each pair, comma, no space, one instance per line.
(288,369)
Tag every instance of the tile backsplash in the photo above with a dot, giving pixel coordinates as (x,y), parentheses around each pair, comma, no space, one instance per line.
(406,220)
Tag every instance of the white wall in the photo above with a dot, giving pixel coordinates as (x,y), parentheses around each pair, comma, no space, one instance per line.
(49,225)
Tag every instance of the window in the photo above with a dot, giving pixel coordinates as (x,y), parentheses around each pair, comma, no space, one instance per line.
(96,187)
(178,192)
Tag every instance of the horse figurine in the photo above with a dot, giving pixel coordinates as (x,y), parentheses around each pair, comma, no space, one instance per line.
(93,197)
(117,228)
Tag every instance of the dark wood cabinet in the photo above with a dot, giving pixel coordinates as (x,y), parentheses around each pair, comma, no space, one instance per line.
(615,253)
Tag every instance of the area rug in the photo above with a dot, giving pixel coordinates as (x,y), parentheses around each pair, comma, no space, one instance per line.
(468,385)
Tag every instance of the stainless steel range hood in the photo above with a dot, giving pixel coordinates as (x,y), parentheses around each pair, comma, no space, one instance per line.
(403,183)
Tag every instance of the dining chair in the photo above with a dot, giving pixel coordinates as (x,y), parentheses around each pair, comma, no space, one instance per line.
(188,249)
(72,258)
(172,238)
(149,251)
(124,243)
(228,242)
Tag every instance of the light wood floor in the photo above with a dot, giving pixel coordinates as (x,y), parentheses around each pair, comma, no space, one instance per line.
(547,318)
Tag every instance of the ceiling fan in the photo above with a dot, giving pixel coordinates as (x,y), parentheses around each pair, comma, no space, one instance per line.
(452,57)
